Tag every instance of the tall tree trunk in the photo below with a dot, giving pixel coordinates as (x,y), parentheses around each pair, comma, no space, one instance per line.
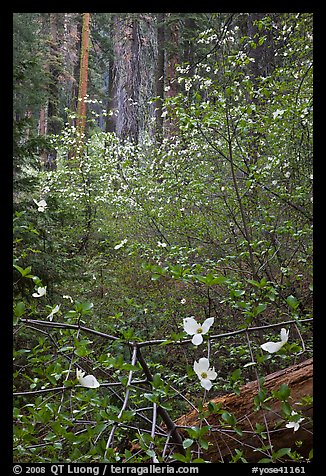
(43,120)
(127,77)
(55,65)
(133,79)
(110,125)
(72,46)
(160,73)
(261,67)
(83,78)
(171,77)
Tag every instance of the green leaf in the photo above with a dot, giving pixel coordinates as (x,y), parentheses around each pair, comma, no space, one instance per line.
(229,418)
(292,301)
(260,308)
(235,375)
(203,443)
(213,407)
(260,428)
(187,442)
(19,309)
(210,279)
(238,292)
(24,272)
(287,409)
(284,392)
(151,453)
(21,270)
(180,457)
(281,452)
(81,351)
(151,397)
(157,381)
(84,307)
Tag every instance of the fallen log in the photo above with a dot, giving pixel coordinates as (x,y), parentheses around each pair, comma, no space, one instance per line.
(224,441)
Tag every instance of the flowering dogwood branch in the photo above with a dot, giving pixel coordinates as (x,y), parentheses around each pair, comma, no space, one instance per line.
(145,343)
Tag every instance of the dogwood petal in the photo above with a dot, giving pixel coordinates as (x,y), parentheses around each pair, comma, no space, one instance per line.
(284,335)
(203,364)
(54,310)
(197,339)
(207,324)
(293,424)
(211,374)
(79,374)
(190,325)
(89,381)
(272,347)
(40,292)
(206,383)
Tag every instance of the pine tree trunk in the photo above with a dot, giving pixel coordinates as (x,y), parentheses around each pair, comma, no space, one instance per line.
(160,70)
(72,46)
(224,442)
(53,123)
(171,75)
(83,78)
(126,87)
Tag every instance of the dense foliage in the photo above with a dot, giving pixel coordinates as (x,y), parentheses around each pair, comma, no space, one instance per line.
(133,237)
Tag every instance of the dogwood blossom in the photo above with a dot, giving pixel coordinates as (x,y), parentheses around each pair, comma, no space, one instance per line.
(294,424)
(272,347)
(204,373)
(89,381)
(41,205)
(192,327)
(121,244)
(54,310)
(278,113)
(68,297)
(40,292)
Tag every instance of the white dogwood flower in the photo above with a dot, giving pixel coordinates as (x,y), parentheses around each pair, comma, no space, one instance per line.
(41,205)
(54,310)
(68,297)
(192,327)
(121,244)
(294,424)
(204,373)
(89,381)
(40,292)
(272,347)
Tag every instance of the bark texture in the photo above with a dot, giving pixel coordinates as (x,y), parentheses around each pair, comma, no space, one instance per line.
(224,441)
(133,76)
(83,79)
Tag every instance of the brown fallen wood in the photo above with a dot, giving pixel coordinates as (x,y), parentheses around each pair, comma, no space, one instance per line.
(224,441)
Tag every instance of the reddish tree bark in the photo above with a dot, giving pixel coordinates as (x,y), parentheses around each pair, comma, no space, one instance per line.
(223,442)
(83,78)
